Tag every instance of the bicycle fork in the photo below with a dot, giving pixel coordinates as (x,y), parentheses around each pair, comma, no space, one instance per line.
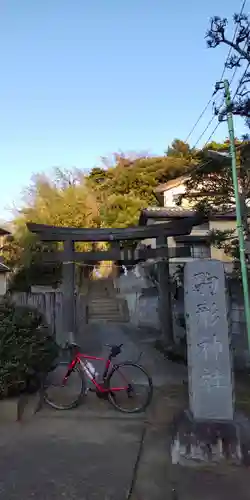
(70,370)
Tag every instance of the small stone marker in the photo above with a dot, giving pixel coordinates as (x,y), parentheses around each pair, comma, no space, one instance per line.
(209,358)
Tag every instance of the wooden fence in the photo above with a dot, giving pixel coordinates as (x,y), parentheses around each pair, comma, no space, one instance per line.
(50,304)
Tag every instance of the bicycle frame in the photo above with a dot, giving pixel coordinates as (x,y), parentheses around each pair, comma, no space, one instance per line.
(108,364)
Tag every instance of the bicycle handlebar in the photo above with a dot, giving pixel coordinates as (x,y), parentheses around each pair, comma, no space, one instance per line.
(112,345)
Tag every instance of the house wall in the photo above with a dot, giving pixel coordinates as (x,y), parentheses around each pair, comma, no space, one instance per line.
(221,225)
(3,283)
(217,253)
(171,194)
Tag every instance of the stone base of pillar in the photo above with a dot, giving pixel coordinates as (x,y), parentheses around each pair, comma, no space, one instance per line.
(210,442)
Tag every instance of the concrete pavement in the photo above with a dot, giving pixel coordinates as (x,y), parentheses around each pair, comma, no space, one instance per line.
(56,458)
(134,340)
(158,479)
(88,453)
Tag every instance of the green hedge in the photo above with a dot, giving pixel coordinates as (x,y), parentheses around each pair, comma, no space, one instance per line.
(27,350)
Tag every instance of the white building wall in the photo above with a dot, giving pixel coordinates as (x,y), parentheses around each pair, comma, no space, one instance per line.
(171,194)
(3,284)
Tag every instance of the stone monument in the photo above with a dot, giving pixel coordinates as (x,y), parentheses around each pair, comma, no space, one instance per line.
(208,431)
(208,344)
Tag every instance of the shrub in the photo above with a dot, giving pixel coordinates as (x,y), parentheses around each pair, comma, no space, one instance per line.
(27,350)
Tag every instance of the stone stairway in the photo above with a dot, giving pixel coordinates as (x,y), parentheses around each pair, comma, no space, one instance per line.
(103,305)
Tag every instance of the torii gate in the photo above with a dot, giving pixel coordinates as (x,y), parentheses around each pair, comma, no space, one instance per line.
(68,257)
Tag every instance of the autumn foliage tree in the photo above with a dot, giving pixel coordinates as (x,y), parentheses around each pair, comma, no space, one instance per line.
(110,195)
(210,189)
(63,200)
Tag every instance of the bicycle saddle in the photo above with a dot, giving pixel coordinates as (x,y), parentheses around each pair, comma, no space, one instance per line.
(114,349)
(71,345)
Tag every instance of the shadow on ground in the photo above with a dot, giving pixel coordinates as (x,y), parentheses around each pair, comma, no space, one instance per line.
(61,458)
(90,453)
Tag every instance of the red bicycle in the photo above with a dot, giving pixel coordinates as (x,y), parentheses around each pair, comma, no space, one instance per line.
(126,393)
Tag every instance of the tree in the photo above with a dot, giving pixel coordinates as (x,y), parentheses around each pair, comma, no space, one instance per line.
(64,200)
(180,149)
(110,195)
(240,46)
(125,186)
(27,349)
(210,189)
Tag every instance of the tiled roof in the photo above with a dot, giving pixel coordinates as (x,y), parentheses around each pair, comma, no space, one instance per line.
(173,183)
(4,268)
(3,231)
(164,213)
(171,210)
(178,213)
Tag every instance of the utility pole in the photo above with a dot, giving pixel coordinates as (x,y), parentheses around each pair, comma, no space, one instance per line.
(239,222)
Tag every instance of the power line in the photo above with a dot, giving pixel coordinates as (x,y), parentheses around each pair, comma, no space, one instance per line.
(237,67)
(240,82)
(211,120)
(222,75)
(233,40)
(204,131)
(201,115)
(212,133)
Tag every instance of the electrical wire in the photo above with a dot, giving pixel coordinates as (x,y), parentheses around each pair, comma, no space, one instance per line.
(222,75)
(204,131)
(201,115)
(211,135)
(218,123)
(233,40)
(240,82)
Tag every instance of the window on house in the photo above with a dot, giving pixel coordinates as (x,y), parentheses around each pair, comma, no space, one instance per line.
(200,251)
(176,198)
(197,250)
(204,226)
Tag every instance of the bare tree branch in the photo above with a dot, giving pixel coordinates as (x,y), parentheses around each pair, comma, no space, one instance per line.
(240,44)
(216,35)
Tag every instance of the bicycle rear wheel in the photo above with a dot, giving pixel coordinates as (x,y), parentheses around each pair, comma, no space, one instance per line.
(138,388)
(64,396)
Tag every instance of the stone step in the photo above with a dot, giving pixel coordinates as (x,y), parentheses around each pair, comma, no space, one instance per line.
(97,319)
(101,295)
(105,313)
(103,301)
(104,310)
(107,309)
(105,317)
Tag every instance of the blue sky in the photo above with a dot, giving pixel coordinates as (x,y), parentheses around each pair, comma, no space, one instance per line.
(81,79)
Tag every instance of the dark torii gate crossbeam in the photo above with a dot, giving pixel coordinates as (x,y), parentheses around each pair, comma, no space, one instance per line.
(68,257)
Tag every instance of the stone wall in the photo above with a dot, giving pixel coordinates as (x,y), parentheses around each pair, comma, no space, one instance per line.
(50,304)
(237,324)
(141,296)
(142,300)
(3,283)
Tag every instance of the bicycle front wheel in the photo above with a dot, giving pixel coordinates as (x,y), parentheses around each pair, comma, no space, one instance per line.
(130,388)
(64,396)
